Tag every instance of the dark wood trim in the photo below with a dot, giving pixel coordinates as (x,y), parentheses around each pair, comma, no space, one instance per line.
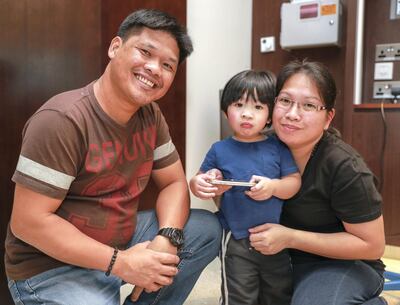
(376,106)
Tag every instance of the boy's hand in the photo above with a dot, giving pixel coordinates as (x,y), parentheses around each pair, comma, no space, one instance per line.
(202,188)
(263,190)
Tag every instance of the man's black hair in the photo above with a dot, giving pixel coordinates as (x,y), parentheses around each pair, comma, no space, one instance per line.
(160,21)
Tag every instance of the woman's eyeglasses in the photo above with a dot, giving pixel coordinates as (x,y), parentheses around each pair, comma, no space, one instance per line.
(286,103)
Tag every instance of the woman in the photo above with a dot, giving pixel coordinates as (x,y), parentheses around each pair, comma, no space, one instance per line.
(333,225)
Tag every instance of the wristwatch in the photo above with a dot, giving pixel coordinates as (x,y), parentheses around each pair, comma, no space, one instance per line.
(174,235)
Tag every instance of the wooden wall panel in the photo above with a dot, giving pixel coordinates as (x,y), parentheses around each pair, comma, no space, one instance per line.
(367,125)
(46,47)
(39,59)
(361,128)
(379,29)
(368,137)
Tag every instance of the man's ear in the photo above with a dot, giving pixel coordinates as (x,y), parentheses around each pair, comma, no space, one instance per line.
(115,44)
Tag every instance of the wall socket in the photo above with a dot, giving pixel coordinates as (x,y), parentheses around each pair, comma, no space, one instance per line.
(383,90)
(387,52)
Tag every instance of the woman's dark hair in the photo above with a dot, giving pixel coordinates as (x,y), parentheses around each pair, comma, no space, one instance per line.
(157,20)
(250,82)
(317,72)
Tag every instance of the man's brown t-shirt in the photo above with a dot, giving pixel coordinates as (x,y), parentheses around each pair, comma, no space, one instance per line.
(73,151)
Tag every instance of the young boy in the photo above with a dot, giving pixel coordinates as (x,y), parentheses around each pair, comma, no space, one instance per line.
(249,277)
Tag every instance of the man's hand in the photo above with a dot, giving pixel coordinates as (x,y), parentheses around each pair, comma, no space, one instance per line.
(160,244)
(147,268)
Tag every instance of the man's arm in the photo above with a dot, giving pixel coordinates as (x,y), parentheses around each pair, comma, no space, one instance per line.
(173,204)
(172,208)
(34,221)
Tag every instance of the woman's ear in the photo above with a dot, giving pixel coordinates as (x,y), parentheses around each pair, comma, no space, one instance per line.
(115,44)
(330,115)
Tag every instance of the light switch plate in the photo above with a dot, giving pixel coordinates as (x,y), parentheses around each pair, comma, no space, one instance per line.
(267,44)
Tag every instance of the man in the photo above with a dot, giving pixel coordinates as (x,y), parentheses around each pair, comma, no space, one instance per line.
(75,234)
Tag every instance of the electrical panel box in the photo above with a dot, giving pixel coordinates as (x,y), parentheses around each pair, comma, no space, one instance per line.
(306,24)
(387,72)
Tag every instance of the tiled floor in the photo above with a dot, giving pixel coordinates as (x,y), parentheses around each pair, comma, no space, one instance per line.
(207,289)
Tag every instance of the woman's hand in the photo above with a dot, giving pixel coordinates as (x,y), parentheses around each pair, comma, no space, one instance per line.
(263,189)
(270,238)
(360,240)
(202,188)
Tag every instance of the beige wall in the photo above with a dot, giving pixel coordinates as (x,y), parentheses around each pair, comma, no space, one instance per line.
(221,33)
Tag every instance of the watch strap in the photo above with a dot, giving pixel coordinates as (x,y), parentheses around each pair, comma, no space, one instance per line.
(174,235)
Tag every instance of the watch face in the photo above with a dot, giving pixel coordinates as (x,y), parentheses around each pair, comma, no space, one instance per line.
(177,238)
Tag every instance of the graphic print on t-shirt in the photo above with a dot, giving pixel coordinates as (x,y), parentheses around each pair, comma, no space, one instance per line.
(104,156)
(112,219)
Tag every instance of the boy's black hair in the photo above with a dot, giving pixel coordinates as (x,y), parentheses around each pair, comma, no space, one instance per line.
(157,20)
(251,82)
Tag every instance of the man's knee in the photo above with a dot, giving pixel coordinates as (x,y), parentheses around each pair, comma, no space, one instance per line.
(204,225)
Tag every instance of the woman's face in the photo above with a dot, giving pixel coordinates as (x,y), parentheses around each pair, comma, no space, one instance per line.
(296,127)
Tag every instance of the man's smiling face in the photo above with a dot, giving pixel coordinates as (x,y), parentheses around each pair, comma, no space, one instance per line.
(143,66)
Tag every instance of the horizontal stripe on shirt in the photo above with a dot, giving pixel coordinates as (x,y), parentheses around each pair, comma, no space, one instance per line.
(163,150)
(43,173)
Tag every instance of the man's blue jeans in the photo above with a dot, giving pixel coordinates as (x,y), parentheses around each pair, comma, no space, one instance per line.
(336,282)
(70,285)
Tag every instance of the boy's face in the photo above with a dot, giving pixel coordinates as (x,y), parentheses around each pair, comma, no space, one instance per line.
(247,119)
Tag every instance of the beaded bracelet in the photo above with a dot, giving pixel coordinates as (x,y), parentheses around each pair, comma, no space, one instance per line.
(113,259)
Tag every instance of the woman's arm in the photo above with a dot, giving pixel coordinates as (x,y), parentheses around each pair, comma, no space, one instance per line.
(360,241)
